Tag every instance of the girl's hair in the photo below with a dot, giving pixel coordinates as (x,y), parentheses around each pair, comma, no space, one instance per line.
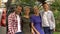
(35,6)
(26,7)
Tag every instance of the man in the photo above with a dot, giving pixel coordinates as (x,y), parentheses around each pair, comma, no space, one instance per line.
(14,21)
(48,21)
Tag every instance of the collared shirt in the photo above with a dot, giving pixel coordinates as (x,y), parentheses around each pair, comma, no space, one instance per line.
(19,23)
(13,23)
(48,19)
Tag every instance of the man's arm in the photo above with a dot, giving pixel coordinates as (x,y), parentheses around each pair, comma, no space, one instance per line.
(53,20)
(9,24)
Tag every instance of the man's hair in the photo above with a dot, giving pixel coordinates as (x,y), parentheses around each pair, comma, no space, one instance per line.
(44,3)
(18,5)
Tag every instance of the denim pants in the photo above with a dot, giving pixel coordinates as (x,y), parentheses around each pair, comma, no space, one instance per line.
(47,30)
(19,33)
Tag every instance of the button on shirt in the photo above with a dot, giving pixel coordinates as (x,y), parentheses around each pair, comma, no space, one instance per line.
(44,20)
(19,25)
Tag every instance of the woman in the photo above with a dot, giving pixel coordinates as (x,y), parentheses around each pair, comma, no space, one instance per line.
(3,19)
(36,22)
(26,20)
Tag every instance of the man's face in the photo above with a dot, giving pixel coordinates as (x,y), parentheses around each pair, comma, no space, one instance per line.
(19,9)
(46,7)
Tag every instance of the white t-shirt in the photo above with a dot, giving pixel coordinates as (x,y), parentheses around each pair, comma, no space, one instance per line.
(19,25)
(45,20)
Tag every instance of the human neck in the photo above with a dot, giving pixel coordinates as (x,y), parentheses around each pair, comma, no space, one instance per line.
(46,10)
(26,16)
(37,14)
(17,13)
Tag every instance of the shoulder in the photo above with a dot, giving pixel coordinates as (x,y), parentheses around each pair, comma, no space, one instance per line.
(41,11)
(12,14)
(22,17)
(32,15)
(50,11)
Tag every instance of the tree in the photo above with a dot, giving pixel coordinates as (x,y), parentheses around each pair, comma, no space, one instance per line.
(25,2)
(56,8)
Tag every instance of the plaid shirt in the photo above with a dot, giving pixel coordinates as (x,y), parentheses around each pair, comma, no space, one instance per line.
(12,23)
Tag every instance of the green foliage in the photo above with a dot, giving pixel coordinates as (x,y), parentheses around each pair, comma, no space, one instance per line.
(56,5)
(56,8)
(26,2)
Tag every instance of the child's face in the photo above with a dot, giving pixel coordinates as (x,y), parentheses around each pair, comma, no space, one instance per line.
(46,7)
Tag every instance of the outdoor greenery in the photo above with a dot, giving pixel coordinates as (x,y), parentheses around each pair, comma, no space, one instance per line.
(55,6)
(56,32)
(25,2)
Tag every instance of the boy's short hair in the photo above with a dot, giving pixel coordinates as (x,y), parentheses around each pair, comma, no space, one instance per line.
(44,3)
(18,5)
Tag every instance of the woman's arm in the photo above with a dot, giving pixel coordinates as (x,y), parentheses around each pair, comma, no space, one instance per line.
(34,29)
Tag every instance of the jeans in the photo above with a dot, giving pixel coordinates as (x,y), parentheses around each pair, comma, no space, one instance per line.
(19,33)
(47,30)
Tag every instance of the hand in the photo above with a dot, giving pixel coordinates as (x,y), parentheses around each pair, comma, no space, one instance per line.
(33,31)
(54,30)
(37,32)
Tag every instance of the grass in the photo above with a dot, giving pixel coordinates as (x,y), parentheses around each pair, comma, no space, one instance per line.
(56,32)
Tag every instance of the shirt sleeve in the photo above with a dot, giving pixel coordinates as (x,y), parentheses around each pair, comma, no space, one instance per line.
(31,19)
(9,24)
(53,20)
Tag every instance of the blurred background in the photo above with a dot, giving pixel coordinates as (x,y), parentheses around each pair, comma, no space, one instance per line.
(10,4)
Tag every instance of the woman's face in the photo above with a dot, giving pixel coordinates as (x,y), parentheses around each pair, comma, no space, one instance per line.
(27,10)
(36,10)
